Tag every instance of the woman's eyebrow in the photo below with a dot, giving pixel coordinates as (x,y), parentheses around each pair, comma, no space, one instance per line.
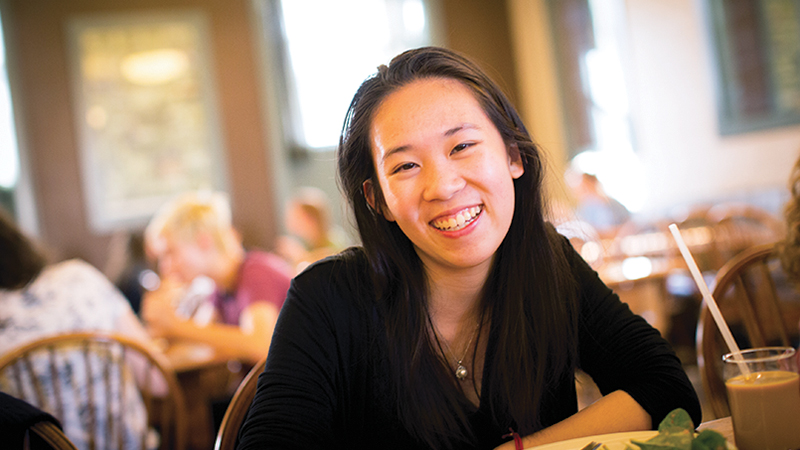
(394,150)
(447,133)
(460,127)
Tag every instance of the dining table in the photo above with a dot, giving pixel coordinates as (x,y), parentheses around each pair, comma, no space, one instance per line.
(623,440)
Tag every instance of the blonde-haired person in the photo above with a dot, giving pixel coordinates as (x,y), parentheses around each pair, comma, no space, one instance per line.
(789,248)
(193,237)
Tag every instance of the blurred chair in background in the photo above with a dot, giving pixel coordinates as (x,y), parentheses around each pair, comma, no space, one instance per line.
(739,226)
(714,235)
(25,427)
(38,299)
(90,380)
(760,305)
(228,434)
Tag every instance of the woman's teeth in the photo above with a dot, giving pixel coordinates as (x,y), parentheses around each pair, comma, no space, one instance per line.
(460,220)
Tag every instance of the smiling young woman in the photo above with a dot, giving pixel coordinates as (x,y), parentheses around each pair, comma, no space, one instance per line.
(441,161)
(464,313)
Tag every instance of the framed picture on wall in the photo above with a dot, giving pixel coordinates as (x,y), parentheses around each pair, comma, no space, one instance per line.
(756,44)
(145,111)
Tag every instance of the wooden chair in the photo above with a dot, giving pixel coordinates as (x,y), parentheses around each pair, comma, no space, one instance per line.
(739,226)
(98,366)
(237,409)
(761,307)
(51,435)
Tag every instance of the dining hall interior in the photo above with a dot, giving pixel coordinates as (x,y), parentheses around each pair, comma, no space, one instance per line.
(648,112)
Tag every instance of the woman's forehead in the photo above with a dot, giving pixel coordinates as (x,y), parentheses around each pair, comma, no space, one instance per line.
(423,109)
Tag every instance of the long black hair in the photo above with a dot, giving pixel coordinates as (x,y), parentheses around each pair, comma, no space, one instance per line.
(529,295)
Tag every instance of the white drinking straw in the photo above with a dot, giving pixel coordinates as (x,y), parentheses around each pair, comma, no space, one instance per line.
(712,305)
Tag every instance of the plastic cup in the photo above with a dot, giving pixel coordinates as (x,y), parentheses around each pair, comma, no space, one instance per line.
(765,405)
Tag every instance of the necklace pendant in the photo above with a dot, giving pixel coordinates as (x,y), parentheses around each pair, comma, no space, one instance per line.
(461,372)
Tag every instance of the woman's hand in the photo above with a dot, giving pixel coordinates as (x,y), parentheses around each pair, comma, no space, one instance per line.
(616,412)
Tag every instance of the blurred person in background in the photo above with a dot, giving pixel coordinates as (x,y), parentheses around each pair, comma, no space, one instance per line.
(311,236)
(38,299)
(593,205)
(192,237)
(789,247)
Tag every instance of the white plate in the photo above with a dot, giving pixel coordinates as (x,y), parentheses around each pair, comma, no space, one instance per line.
(614,441)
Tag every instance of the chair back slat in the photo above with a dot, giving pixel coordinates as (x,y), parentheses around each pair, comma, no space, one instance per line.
(772,307)
(90,395)
(41,399)
(114,367)
(53,366)
(745,300)
(107,362)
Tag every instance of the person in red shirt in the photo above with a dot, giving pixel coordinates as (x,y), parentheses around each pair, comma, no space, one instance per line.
(193,237)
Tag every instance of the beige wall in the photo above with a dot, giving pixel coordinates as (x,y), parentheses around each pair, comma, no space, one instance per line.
(675,117)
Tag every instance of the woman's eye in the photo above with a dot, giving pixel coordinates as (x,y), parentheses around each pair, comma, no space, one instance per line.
(404,167)
(462,146)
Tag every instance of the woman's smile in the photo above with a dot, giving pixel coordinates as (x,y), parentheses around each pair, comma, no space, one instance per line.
(459,221)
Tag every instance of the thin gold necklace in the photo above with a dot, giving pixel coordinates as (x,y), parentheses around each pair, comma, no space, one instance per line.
(461,371)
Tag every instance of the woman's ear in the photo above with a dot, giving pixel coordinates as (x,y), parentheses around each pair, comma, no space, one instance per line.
(369,194)
(515,161)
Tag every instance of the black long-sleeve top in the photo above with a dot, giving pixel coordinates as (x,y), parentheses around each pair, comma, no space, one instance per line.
(326,380)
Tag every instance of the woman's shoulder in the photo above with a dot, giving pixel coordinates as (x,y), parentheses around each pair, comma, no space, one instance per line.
(344,275)
(350,261)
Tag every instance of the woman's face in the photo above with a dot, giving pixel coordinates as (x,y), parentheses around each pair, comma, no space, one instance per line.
(445,172)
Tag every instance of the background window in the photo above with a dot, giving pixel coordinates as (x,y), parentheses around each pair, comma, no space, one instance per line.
(591,45)
(327,49)
(9,160)
(757,50)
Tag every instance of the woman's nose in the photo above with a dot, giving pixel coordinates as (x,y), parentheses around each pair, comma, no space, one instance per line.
(442,182)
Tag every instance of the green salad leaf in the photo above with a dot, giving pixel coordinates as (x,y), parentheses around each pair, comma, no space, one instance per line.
(709,440)
(676,432)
